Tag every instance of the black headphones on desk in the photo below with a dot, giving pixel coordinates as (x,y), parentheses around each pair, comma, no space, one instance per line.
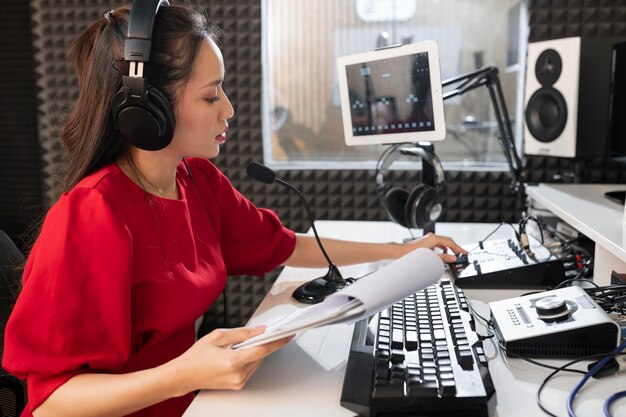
(141,112)
(421,206)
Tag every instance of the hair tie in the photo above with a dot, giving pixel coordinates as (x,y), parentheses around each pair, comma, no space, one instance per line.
(109,16)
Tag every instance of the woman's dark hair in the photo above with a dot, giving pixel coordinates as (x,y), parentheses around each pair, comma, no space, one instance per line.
(89,136)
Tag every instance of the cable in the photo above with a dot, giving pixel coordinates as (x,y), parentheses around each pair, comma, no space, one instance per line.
(609,401)
(523,236)
(547,379)
(525,220)
(492,232)
(598,366)
(572,280)
(488,323)
(611,298)
(545,382)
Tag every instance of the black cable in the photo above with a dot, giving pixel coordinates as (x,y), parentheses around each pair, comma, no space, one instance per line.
(524,221)
(595,369)
(523,237)
(611,298)
(579,249)
(492,232)
(488,323)
(567,243)
(556,371)
(572,280)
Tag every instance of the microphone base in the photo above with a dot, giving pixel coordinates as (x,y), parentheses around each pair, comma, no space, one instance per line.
(317,290)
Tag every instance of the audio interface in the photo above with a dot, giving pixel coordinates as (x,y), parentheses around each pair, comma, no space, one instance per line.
(565,322)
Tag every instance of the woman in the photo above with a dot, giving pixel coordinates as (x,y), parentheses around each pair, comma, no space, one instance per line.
(140,242)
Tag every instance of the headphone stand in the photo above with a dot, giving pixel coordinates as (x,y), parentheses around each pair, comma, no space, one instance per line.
(429,175)
(428,178)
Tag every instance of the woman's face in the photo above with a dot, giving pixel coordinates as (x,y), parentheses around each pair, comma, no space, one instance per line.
(203,109)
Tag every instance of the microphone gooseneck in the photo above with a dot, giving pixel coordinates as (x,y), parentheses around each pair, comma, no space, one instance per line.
(311,219)
(314,291)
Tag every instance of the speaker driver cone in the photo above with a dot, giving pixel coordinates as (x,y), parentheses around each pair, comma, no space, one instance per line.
(546,114)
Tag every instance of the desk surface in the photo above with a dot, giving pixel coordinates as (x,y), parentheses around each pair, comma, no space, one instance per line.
(306,376)
(585,207)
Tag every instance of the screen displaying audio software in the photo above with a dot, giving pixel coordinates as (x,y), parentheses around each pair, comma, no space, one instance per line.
(391,95)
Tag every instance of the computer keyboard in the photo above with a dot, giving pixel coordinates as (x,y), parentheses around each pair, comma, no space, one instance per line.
(420,357)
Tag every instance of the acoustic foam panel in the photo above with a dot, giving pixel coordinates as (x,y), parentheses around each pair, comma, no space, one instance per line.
(333,194)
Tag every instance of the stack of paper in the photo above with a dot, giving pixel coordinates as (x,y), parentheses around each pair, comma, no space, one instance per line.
(367,296)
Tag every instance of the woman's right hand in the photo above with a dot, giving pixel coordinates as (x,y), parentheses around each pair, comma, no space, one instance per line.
(211,363)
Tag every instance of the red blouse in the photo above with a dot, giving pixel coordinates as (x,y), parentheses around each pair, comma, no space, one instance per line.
(117,277)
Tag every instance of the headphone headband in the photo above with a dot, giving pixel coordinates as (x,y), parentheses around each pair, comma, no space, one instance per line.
(139,36)
(391,155)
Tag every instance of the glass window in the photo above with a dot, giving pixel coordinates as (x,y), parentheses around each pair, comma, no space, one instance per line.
(303,38)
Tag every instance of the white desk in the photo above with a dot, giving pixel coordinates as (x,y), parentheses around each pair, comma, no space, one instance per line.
(294,381)
(584,207)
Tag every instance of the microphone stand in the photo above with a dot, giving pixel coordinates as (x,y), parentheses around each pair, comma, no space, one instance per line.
(489,76)
(313,292)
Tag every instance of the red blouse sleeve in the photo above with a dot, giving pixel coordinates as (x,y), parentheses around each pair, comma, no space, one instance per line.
(73,314)
(253,240)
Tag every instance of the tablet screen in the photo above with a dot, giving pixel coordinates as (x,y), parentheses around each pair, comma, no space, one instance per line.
(392,95)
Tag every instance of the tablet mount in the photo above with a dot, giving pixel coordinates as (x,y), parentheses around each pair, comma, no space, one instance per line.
(488,76)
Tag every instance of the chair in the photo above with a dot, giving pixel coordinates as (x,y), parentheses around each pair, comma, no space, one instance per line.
(12,395)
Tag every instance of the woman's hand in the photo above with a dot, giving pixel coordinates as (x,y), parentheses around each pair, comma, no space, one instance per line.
(432,241)
(211,363)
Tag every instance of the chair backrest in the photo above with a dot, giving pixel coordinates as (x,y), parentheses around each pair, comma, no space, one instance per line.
(12,395)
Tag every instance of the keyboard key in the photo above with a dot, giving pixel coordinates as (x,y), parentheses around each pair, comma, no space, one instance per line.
(388,391)
(397,339)
(465,359)
(447,388)
(397,356)
(411,340)
(423,389)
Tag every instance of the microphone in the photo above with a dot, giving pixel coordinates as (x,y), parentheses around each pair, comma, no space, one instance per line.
(311,292)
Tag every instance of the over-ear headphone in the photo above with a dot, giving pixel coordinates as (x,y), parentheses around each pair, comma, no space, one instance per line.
(141,112)
(423,205)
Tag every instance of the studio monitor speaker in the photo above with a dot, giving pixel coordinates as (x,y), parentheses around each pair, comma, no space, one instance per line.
(575,95)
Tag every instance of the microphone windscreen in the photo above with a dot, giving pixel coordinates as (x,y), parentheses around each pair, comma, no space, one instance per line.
(261,173)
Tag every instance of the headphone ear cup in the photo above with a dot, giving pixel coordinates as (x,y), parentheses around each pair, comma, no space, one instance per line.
(146,121)
(395,202)
(422,207)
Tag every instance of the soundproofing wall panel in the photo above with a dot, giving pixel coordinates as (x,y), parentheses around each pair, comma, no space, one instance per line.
(21,197)
(334,194)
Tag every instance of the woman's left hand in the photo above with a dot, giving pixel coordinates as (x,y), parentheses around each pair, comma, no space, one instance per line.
(432,241)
